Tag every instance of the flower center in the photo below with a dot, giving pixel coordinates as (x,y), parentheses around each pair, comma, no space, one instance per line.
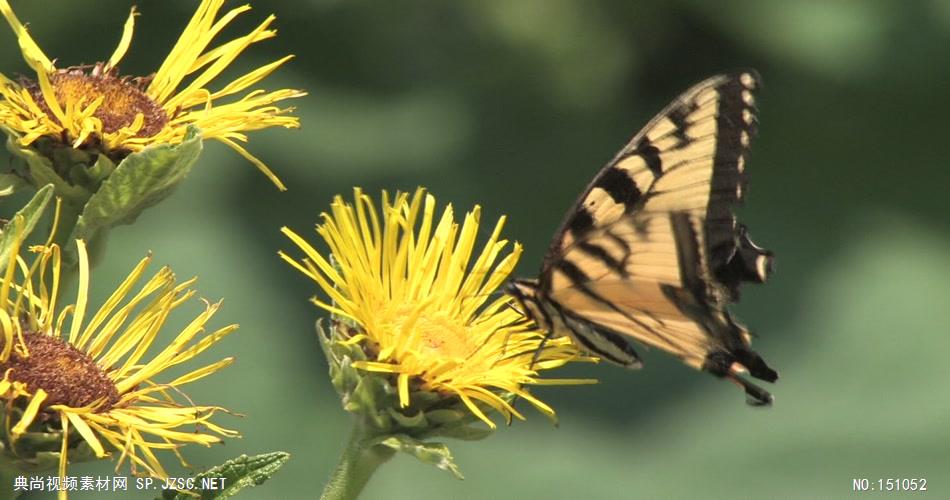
(443,337)
(69,376)
(122,99)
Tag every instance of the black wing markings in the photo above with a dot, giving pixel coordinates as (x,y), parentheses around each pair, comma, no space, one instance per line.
(650,154)
(736,107)
(619,185)
(712,252)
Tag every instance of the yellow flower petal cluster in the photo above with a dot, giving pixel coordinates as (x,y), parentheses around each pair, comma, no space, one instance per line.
(409,282)
(93,372)
(95,107)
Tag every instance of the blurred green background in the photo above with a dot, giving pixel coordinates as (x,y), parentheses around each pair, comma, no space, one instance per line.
(515,105)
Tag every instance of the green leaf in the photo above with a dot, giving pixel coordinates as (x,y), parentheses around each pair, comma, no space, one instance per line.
(23,223)
(234,475)
(141,180)
(436,454)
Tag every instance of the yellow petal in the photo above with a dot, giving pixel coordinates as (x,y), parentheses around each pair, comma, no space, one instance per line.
(258,163)
(83,294)
(124,42)
(29,414)
(86,433)
(31,51)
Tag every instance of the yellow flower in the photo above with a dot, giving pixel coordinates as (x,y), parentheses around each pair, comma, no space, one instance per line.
(419,302)
(92,377)
(94,107)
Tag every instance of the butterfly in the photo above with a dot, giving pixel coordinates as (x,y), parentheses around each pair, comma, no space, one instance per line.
(652,251)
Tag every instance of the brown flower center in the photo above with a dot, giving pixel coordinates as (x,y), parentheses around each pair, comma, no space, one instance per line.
(123,98)
(69,376)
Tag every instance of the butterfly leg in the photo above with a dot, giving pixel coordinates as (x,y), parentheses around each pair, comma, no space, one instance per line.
(726,365)
(540,349)
(755,395)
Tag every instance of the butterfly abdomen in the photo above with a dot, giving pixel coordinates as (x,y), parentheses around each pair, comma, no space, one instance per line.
(600,341)
(553,319)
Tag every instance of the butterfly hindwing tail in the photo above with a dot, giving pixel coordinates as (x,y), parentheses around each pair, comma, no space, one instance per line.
(651,251)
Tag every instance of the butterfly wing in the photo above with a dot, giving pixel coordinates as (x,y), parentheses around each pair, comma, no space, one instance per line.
(652,250)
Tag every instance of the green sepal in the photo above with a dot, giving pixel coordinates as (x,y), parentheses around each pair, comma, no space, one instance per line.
(94,175)
(466,432)
(40,171)
(373,398)
(339,357)
(23,222)
(360,394)
(43,461)
(10,183)
(446,417)
(140,181)
(97,194)
(39,449)
(237,474)
(424,399)
(436,454)
(416,421)
(364,398)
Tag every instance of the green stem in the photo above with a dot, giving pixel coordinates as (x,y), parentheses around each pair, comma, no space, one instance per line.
(357,464)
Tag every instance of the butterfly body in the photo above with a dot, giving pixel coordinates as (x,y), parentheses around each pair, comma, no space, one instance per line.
(652,252)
